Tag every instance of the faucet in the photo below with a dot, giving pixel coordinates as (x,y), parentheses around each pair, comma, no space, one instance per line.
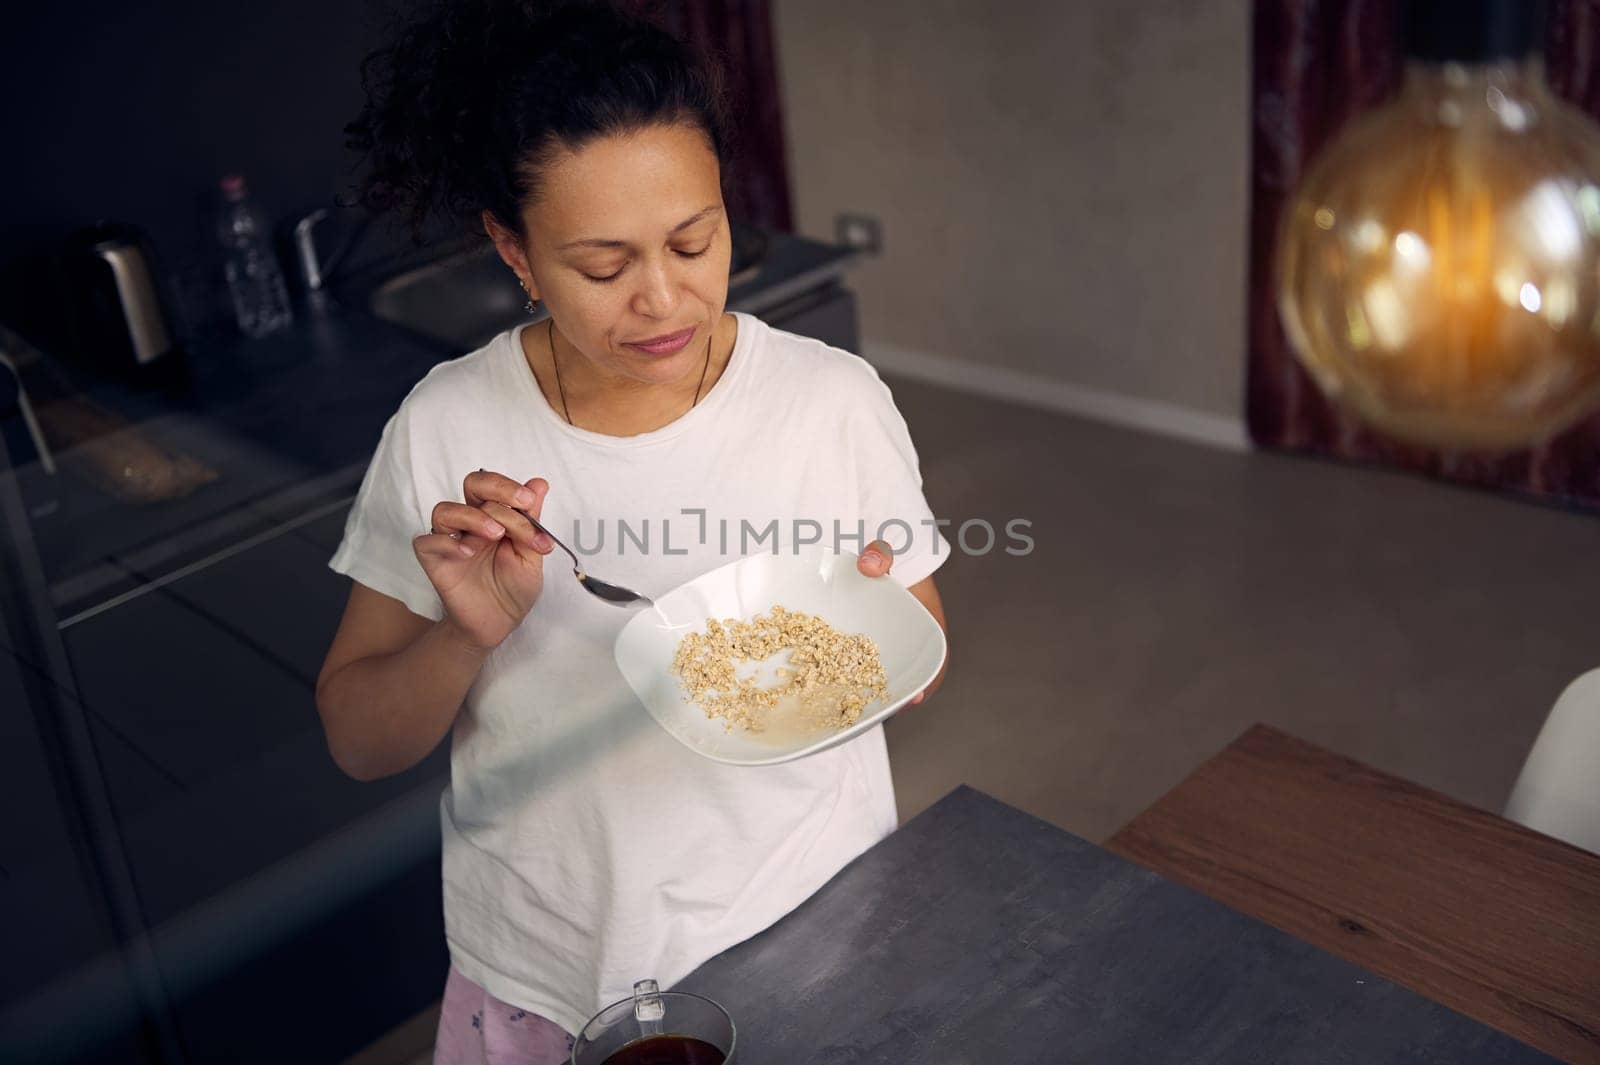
(314,269)
(305,246)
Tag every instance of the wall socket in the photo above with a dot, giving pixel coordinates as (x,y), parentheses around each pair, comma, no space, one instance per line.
(862,232)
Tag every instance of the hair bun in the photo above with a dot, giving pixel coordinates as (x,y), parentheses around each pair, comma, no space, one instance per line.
(465,101)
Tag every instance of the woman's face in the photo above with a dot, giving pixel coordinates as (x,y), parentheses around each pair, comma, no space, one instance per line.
(627,244)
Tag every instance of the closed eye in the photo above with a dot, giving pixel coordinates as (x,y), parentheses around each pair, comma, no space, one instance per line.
(685,254)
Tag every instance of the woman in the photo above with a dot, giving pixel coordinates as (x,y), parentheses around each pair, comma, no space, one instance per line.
(583,847)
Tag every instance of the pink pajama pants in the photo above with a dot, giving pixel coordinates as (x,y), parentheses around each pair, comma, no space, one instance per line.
(475,1028)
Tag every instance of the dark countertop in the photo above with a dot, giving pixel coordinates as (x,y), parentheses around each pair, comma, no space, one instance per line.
(977,933)
(789,266)
(288,422)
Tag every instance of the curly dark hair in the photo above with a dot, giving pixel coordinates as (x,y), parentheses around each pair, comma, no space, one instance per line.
(472,98)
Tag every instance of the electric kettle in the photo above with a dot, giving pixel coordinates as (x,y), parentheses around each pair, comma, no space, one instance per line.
(118,316)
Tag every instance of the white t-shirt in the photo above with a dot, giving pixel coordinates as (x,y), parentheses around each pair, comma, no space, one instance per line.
(584,848)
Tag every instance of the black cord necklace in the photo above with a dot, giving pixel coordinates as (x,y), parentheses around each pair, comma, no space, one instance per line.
(550,334)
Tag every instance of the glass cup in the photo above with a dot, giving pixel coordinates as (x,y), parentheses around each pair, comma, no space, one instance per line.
(657,1027)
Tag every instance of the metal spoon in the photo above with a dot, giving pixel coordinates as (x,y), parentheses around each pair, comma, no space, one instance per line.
(614,594)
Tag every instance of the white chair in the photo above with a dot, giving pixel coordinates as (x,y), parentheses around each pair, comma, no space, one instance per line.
(1558,791)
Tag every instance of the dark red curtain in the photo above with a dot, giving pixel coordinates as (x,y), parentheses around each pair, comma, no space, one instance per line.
(1317,62)
(738,35)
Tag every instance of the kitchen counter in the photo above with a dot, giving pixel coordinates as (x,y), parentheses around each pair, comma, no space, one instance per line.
(288,422)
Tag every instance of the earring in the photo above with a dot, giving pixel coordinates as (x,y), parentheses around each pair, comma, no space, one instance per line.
(530,305)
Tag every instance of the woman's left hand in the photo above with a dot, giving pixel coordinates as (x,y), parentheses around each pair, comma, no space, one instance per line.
(876,561)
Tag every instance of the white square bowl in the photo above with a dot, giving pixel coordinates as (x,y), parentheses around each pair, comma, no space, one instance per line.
(814,580)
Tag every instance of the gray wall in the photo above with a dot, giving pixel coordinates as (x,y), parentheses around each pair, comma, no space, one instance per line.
(1062,183)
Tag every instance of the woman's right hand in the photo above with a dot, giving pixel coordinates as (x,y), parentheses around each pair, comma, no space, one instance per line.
(491,571)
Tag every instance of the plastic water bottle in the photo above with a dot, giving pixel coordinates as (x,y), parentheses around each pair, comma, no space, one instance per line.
(260,298)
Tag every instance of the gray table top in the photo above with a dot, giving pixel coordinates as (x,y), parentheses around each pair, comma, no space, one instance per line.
(978,934)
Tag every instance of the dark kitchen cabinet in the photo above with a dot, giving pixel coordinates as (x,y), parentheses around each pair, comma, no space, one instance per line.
(210,681)
(248,848)
(57,927)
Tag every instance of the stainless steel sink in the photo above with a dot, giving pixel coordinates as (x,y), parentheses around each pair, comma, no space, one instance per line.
(461,300)
(463,297)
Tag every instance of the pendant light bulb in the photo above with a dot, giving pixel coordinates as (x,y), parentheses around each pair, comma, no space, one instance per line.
(1438,268)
